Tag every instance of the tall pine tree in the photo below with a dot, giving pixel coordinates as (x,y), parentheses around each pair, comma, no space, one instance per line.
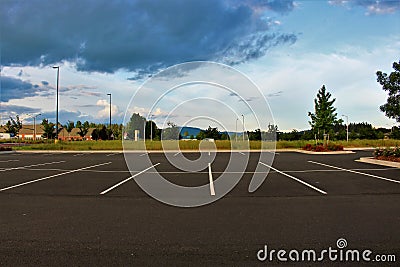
(324,116)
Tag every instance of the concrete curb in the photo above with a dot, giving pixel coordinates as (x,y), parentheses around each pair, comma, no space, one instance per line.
(371,160)
(359,148)
(7,152)
(326,153)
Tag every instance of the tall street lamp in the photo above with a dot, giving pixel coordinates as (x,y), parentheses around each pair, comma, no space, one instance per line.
(243,126)
(236,130)
(58,78)
(347,127)
(110,116)
(151,127)
(34,124)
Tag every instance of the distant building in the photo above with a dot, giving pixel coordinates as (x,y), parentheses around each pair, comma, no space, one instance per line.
(73,135)
(28,132)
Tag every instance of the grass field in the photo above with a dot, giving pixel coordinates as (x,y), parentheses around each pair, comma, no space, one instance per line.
(194,145)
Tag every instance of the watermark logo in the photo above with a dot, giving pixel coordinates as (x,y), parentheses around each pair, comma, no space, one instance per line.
(340,253)
(203,95)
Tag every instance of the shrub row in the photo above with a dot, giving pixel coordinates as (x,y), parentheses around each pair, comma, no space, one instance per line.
(322,148)
(387,152)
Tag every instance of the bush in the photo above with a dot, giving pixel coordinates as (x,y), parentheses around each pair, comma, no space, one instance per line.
(387,152)
(322,148)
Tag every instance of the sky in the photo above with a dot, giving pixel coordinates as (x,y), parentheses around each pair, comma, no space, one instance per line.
(288,49)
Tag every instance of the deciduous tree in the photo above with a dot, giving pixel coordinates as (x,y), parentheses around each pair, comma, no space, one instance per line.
(391,84)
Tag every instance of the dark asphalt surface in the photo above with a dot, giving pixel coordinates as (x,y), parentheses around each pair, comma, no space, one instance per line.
(64,221)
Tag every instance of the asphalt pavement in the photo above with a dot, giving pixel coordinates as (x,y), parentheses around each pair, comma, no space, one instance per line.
(82,209)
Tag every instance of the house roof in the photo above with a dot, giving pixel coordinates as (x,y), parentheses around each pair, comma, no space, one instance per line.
(28,129)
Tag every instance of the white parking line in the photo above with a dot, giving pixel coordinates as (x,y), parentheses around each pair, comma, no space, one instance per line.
(352,171)
(9,160)
(242,153)
(176,154)
(112,154)
(127,179)
(296,179)
(52,176)
(78,155)
(33,165)
(212,191)
(144,154)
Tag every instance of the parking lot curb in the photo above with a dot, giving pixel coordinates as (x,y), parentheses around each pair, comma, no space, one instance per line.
(371,160)
(326,153)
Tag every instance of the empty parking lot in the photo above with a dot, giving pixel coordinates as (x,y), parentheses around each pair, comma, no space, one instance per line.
(86,209)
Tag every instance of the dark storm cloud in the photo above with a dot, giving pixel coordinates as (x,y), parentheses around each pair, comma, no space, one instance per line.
(371,6)
(12,110)
(139,36)
(12,88)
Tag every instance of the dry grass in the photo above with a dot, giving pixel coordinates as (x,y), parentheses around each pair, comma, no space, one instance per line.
(195,144)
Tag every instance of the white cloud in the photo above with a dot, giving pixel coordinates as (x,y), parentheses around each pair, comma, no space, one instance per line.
(349,74)
(105,112)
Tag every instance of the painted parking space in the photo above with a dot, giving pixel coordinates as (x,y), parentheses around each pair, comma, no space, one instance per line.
(292,174)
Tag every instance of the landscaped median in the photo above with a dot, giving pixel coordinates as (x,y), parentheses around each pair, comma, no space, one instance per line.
(389,156)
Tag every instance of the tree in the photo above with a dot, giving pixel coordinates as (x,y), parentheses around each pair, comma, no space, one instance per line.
(272,133)
(13,126)
(83,128)
(324,116)
(149,130)
(9,128)
(69,126)
(256,135)
(136,122)
(171,133)
(48,129)
(391,83)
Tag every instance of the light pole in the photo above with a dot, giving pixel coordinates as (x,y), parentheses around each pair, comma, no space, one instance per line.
(236,130)
(347,127)
(34,124)
(151,127)
(243,126)
(58,78)
(110,116)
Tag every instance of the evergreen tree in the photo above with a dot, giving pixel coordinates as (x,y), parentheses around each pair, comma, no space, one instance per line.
(324,116)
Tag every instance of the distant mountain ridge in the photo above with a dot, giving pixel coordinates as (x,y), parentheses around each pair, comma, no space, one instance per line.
(195,131)
(190,130)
